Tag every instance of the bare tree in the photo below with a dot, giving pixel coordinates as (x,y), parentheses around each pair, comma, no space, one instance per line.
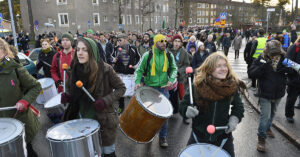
(146,9)
(121,7)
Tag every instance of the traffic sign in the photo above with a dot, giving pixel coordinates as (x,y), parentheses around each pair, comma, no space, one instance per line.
(36,22)
(89,23)
(218,23)
(271,9)
(223,22)
(223,16)
(120,26)
(217,19)
(36,27)
(1,18)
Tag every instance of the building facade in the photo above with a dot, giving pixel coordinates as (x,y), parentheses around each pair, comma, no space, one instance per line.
(99,15)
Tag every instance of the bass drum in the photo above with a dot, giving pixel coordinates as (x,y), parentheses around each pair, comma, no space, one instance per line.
(145,114)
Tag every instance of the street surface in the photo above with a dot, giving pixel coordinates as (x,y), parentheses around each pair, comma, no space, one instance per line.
(245,138)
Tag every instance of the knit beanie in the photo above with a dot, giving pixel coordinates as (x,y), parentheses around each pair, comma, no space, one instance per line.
(177,36)
(156,39)
(94,48)
(90,31)
(273,48)
(68,36)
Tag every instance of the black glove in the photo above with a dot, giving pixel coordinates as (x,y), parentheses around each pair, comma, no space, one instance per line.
(59,83)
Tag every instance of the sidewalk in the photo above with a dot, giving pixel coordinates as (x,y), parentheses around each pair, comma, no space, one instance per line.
(290,131)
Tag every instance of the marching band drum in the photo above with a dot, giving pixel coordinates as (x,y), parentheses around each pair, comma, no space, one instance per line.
(75,138)
(203,150)
(54,108)
(129,83)
(48,92)
(12,138)
(145,114)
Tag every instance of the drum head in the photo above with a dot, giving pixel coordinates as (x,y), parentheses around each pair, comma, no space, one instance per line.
(9,129)
(73,129)
(46,82)
(203,149)
(154,102)
(53,101)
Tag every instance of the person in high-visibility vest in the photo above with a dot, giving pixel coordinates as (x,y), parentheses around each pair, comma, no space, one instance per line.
(257,48)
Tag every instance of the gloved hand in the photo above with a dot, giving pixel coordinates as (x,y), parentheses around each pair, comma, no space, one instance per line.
(59,83)
(99,104)
(191,112)
(22,105)
(65,98)
(232,123)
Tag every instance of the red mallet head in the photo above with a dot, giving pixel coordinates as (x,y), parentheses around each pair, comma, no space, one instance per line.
(79,84)
(211,129)
(65,66)
(120,49)
(130,66)
(189,70)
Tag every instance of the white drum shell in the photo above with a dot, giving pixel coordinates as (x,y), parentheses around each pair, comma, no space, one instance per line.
(54,105)
(129,83)
(15,147)
(203,149)
(48,92)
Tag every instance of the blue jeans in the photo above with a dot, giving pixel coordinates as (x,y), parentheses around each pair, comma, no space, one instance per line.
(164,129)
(268,109)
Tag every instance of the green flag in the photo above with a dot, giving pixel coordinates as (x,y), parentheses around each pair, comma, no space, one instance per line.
(163,24)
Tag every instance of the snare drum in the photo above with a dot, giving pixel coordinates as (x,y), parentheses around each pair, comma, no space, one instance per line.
(48,92)
(129,83)
(75,138)
(203,149)
(145,114)
(55,109)
(12,141)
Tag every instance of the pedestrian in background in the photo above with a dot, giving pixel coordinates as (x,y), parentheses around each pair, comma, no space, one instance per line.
(226,43)
(286,41)
(237,44)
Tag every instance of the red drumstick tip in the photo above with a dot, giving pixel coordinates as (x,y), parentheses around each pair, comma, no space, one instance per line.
(189,70)
(120,49)
(130,66)
(211,129)
(79,84)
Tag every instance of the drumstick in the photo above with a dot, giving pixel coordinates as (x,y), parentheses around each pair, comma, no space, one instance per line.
(211,128)
(79,84)
(65,67)
(189,71)
(8,108)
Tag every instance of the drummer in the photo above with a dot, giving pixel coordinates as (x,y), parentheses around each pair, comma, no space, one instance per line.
(102,83)
(64,56)
(215,89)
(14,81)
(158,76)
(45,57)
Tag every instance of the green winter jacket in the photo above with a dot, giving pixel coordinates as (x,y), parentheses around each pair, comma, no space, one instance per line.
(204,119)
(12,89)
(161,78)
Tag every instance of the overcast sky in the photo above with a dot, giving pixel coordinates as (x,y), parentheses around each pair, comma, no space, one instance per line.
(274,2)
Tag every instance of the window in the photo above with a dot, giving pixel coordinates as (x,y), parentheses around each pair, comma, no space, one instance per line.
(198,13)
(155,19)
(137,19)
(123,19)
(96,19)
(164,8)
(50,20)
(212,21)
(181,20)
(61,2)
(200,5)
(105,18)
(115,1)
(191,20)
(95,2)
(63,19)
(206,20)
(203,13)
(207,6)
(167,7)
(128,4)
(136,4)
(158,17)
(104,0)
(198,20)
(129,22)
(167,18)
(207,13)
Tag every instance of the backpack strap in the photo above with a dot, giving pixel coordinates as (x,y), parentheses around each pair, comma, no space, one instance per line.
(57,62)
(150,57)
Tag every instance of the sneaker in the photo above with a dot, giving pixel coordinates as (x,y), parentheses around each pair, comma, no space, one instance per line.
(290,119)
(270,133)
(163,142)
(261,144)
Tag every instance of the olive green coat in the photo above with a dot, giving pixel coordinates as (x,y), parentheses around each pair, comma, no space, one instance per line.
(11,91)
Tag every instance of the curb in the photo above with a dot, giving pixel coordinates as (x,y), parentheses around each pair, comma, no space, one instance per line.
(285,132)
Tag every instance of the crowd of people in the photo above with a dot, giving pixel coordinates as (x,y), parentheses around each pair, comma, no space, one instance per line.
(158,60)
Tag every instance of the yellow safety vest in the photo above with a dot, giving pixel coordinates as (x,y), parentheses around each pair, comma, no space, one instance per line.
(261,43)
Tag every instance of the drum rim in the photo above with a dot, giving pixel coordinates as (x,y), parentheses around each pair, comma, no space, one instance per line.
(50,79)
(59,94)
(147,110)
(73,139)
(50,129)
(134,139)
(202,144)
(18,135)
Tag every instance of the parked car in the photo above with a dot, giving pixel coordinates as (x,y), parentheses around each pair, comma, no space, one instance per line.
(34,54)
(27,63)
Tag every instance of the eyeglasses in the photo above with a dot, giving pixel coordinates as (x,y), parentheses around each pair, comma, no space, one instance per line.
(119,40)
(163,41)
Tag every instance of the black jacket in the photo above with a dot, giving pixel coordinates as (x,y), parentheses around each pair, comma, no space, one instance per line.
(119,67)
(271,84)
(211,46)
(294,77)
(45,59)
(107,53)
(247,53)
(198,60)
(293,36)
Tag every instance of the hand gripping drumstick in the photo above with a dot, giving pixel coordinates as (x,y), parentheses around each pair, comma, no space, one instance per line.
(79,84)
(189,71)
(65,67)
(211,128)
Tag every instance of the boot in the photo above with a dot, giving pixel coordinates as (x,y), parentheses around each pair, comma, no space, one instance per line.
(110,155)
(270,133)
(261,145)
(30,151)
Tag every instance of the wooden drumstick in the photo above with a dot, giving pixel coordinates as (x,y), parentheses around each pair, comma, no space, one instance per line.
(79,84)
(189,71)
(8,108)
(65,67)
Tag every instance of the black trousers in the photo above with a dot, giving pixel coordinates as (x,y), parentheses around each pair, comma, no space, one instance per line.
(293,93)
(226,49)
(228,146)
(237,53)
(121,103)
(30,151)
(174,98)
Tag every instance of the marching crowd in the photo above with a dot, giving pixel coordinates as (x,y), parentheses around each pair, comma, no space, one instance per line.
(158,60)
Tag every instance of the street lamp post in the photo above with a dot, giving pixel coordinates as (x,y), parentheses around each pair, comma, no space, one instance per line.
(12,24)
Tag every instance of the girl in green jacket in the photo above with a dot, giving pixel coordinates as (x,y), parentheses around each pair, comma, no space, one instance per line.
(215,89)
